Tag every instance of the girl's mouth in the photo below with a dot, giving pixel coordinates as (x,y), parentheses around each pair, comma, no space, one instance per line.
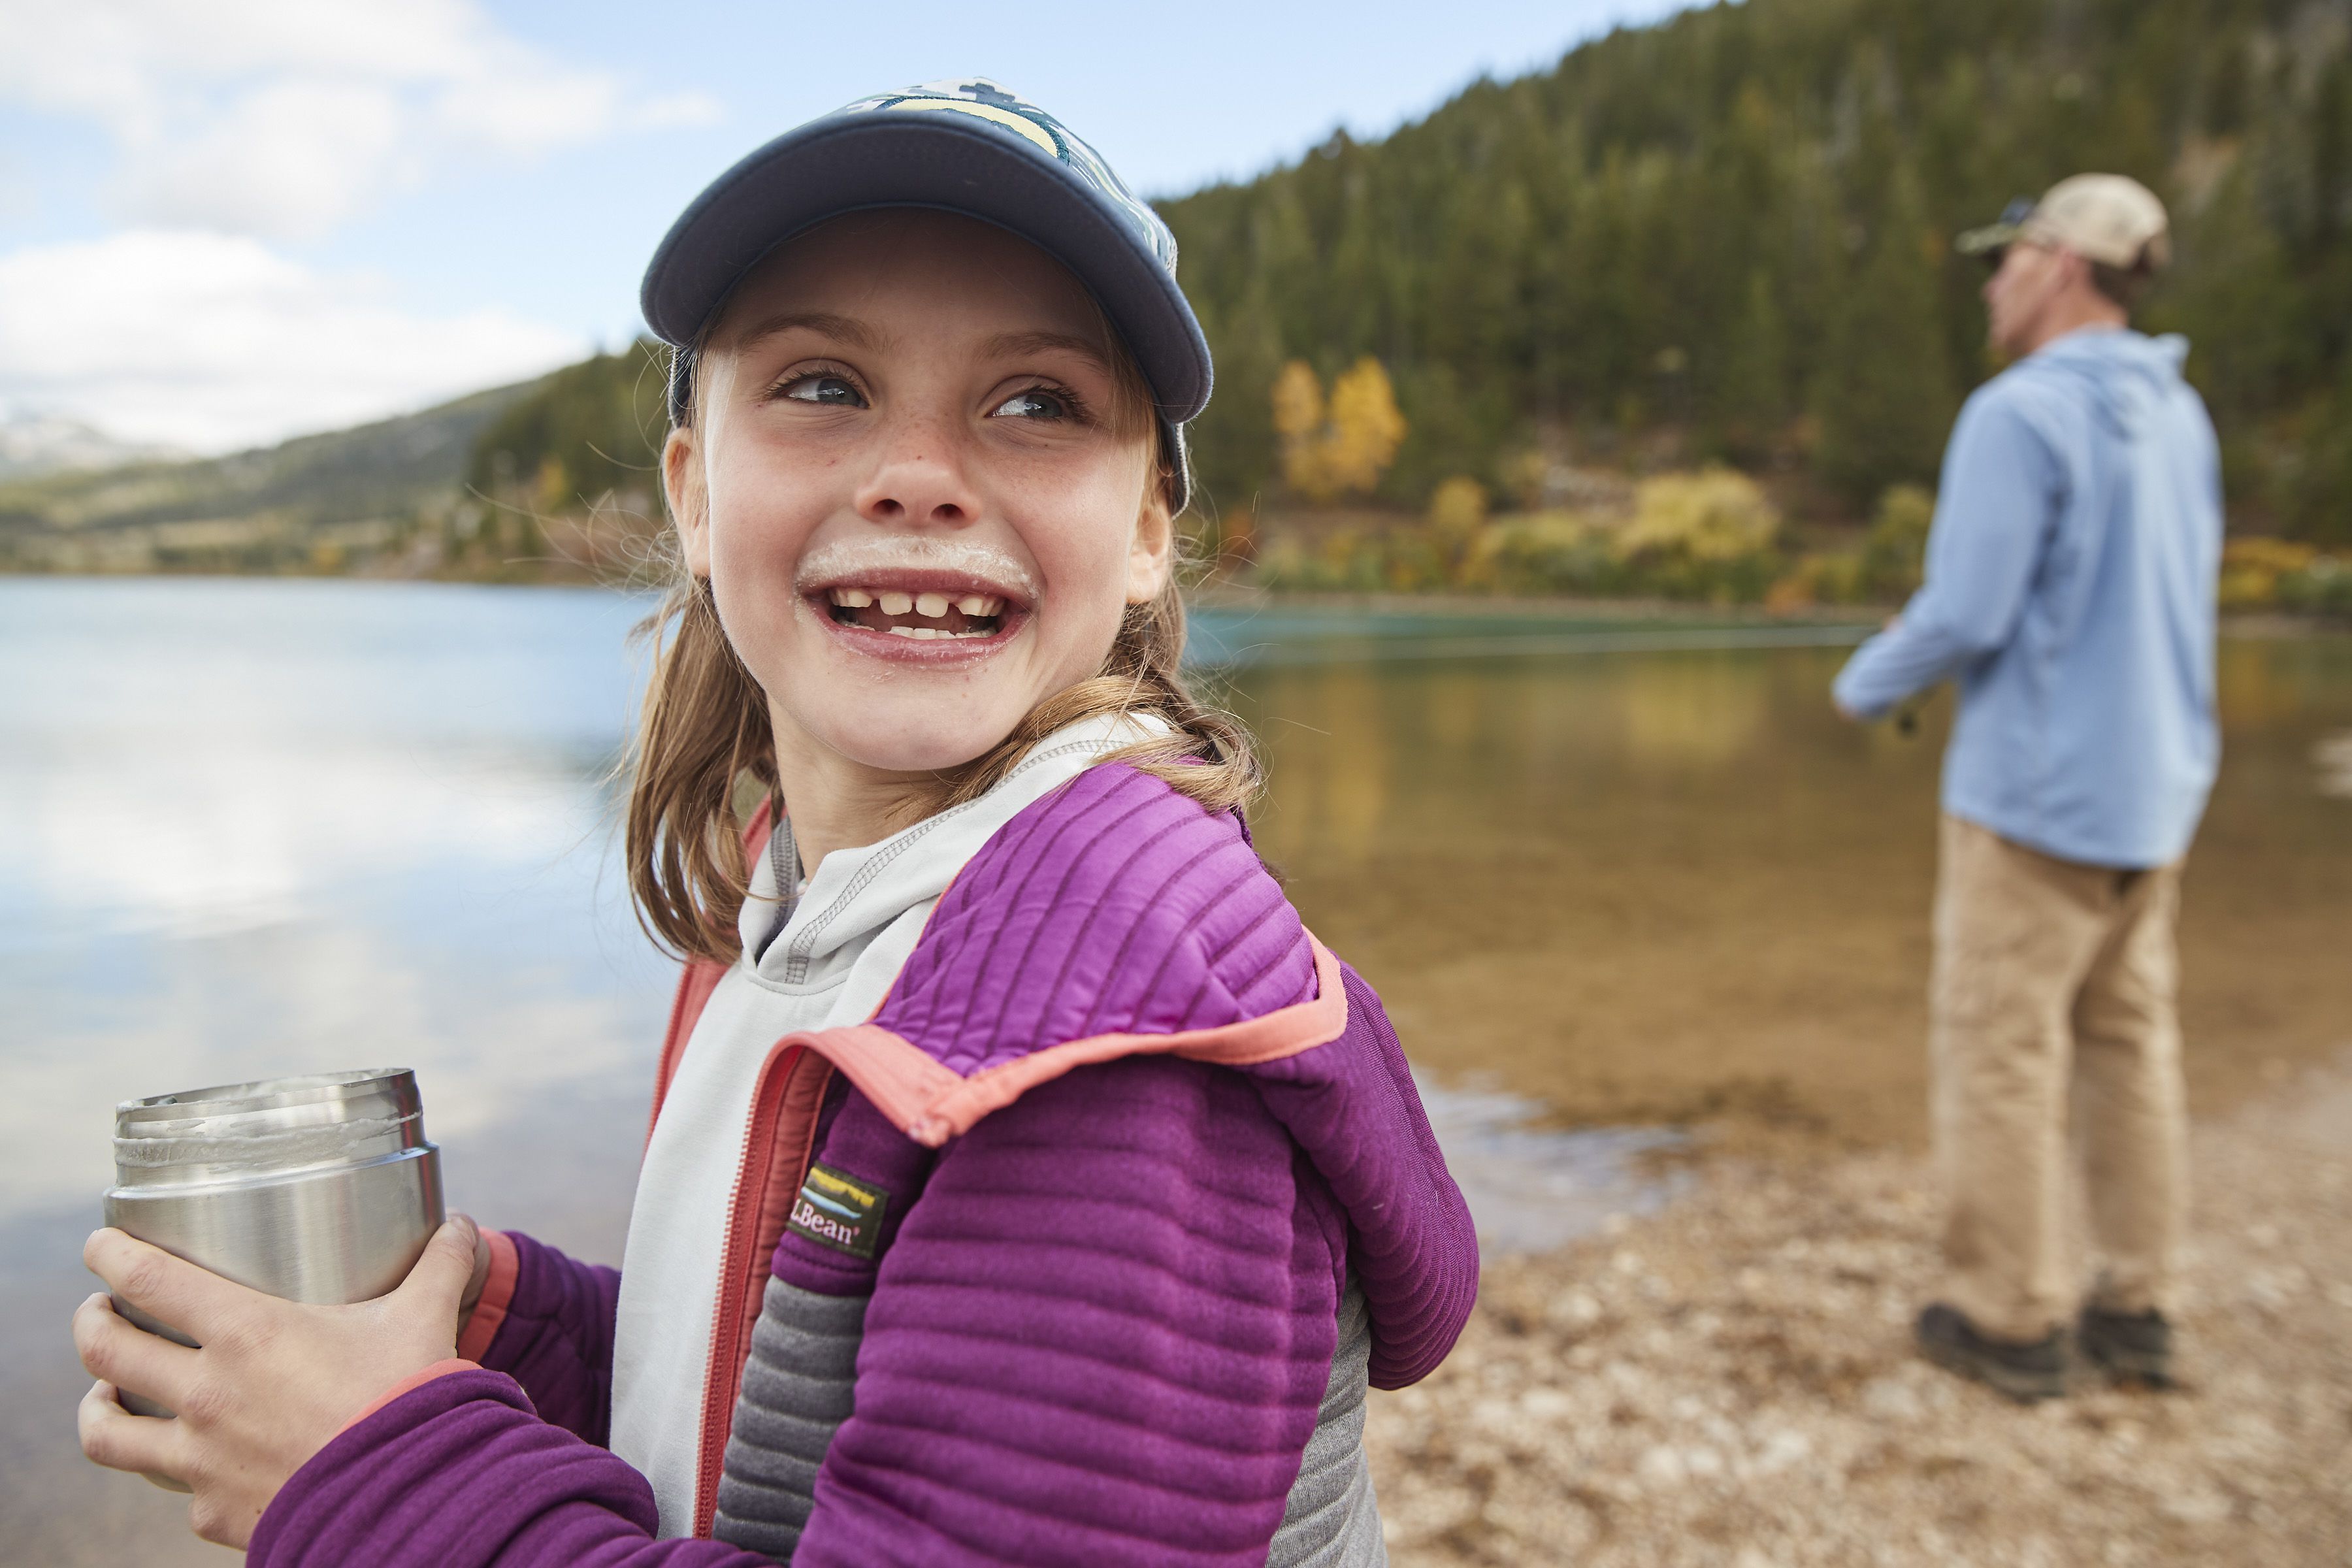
(924,617)
(916,600)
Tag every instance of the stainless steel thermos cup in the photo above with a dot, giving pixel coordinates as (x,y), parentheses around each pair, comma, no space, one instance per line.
(319,1189)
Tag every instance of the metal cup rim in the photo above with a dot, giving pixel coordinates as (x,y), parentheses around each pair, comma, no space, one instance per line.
(267,1094)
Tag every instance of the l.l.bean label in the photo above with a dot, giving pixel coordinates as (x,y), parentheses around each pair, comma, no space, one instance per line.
(838,1210)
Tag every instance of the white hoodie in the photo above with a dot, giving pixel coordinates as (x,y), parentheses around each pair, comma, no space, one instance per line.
(855,924)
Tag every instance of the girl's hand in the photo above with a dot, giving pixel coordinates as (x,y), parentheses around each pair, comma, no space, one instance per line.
(274,1382)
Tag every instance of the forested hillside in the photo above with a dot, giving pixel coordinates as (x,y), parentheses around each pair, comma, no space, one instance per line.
(1729,236)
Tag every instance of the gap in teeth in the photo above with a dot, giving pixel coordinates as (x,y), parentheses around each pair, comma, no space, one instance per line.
(930,605)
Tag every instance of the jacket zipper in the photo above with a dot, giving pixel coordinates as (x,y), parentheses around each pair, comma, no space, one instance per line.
(751,1244)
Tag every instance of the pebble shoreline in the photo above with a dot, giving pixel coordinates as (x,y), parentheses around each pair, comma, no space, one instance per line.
(1730,1381)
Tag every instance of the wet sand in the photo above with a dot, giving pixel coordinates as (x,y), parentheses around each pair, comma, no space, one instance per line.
(1730,1383)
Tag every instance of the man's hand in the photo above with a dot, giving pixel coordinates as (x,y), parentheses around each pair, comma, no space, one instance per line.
(274,1381)
(1853,715)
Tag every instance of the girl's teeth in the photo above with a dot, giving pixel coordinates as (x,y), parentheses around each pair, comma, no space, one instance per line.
(930,607)
(979,603)
(852,598)
(894,604)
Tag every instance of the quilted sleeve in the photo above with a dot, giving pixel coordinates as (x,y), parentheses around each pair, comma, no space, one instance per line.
(1101,1337)
(460,1473)
(555,1332)
(1352,1106)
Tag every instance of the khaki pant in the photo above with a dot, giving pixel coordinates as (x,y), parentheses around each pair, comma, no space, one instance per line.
(2049,975)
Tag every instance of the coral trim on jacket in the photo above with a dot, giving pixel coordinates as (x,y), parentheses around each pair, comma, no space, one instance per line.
(700,978)
(409,1384)
(498,1289)
(931,1104)
(777,1148)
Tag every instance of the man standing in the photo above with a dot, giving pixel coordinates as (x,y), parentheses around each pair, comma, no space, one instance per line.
(2070,591)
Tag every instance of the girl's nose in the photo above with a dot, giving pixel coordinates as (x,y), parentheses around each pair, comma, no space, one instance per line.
(918,480)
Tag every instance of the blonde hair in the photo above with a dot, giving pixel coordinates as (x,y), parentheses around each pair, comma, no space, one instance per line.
(704,740)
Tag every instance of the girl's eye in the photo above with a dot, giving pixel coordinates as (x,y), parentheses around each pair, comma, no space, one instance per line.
(831,391)
(1034,403)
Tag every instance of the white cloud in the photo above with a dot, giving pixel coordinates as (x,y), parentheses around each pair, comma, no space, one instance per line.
(214,342)
(689,107)
(281,118)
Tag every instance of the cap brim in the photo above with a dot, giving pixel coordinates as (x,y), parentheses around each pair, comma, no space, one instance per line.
(948,161)
(1991,238)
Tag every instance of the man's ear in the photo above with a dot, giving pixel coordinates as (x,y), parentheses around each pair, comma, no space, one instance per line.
(1152,556)
(690,499)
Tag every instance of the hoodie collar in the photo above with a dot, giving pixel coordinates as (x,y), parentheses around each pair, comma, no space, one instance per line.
(855,893)
(2125,376)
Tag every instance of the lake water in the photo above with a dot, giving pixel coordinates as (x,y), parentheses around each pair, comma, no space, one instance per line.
(1610,874)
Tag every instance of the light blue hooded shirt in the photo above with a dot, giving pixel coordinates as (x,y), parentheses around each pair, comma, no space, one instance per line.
(2070,590)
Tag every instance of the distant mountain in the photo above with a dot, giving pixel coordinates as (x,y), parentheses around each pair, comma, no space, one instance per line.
(317,501)
(35,444)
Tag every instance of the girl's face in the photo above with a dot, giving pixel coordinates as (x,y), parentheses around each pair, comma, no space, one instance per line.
(921,501)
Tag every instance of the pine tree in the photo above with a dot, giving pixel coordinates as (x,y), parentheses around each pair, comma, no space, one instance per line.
(1883,395)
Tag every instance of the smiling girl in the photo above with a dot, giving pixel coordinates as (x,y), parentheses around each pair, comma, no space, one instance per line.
(1025,1184)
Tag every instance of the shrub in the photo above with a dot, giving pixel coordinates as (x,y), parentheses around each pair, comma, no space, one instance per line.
(2252,569)
(1895,551)
(1545,552)
(2321,586)
(1711,516)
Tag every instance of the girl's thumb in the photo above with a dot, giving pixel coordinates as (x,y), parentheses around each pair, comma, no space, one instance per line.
(447,1264)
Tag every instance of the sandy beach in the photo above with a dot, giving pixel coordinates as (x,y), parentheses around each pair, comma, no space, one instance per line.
(1730,1381)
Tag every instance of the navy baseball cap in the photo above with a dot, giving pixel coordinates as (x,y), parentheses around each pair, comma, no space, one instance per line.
(966,146)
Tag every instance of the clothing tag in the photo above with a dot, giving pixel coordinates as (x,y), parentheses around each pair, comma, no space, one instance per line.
(840,1211)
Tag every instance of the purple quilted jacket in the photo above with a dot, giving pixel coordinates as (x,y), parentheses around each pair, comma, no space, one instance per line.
(1140,1130)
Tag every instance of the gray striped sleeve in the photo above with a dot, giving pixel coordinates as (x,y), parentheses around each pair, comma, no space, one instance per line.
(797,1389)
(1332,1520)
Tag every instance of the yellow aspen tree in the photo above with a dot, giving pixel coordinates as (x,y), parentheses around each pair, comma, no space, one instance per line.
(1366,426)
(1343,447)
(1299,421)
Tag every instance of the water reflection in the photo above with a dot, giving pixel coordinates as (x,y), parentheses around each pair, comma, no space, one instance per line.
(1674,887)
(260,828)
(1533,1187)
(2333,758)
(1693,712)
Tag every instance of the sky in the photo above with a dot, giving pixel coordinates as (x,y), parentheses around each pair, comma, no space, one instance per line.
(224,222)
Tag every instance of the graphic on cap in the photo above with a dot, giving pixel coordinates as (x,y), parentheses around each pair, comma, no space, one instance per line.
(996,104)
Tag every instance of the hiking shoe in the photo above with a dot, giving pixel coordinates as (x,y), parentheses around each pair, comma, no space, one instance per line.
(2025,1373)
(2128,1346)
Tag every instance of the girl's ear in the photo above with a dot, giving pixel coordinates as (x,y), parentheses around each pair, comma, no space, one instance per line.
(689,501)
(1152,555)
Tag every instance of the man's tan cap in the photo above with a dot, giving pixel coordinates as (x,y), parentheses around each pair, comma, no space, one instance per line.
(2109,218)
